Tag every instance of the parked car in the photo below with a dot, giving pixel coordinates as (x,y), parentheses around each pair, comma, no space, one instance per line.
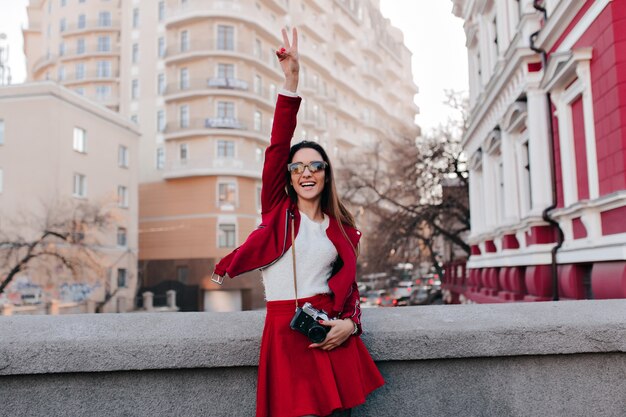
(377,298)
(404,292)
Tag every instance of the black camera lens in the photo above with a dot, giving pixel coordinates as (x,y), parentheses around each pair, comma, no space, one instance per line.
(317,333)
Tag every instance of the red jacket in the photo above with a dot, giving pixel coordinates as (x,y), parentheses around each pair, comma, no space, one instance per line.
(272,238)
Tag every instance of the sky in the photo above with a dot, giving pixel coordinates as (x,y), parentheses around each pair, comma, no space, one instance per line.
(432,33)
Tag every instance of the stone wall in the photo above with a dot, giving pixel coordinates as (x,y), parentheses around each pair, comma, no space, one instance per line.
(525,359)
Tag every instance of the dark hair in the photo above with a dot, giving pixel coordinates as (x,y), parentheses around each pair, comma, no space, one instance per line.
(331,203)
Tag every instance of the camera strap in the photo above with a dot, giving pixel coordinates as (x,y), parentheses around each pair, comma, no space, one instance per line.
(293,255)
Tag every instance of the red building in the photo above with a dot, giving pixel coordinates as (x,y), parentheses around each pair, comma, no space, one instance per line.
(547,151)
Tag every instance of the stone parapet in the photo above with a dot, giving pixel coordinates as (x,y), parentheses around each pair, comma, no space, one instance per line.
(565,358)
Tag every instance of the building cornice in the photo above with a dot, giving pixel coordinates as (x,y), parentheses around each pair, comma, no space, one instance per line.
(496,98)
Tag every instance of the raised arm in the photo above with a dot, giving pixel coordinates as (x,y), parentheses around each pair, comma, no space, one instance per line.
(285,119)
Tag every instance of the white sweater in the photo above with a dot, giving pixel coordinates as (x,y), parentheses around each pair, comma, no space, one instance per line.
(315,254)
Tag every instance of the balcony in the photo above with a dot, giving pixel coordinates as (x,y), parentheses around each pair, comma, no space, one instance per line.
(43,62)
(90,51)
(90,77)
(92,26)
(492,360)
(209,48)
(224,126)
(198,10)
(208,166)
(232,87)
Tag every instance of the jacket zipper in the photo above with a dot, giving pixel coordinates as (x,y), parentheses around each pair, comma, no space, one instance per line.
(287,214)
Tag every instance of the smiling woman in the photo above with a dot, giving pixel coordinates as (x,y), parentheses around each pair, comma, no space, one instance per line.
(306,248)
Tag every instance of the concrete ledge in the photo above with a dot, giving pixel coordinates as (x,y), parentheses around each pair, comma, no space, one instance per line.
(529,359)
(116,342)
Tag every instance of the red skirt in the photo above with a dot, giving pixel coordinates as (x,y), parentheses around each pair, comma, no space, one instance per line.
(294,380)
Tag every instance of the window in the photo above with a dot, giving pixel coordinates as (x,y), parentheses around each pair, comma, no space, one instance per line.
(259,154)
(61,73)
(258,84)
(225,149)
(161,10)
(1,132)
(80,91)
(182,274)
(272,91)
(80,185)
(225,71)
(258,198)
(258,49)
(134,119)
(81,1)
(135,53)
(104,19)
(104,43)
(103,92)
(257,121)
(184,116)
(82,21)
(526,182)
(122,156)
(122,237)
(61,49)
(160,121)
(122,196)
(226,38)
(121,277)
(134,89)
(80,46)
(227,195)
(63,3)
(226,109)
(184,78)
(1,180)
(80,71)
(160,158)
(161,84)
(103,69)
(183,152)
(226,236)
(80,140)
(135,18)
(62,25)
(161,47)
(184,40)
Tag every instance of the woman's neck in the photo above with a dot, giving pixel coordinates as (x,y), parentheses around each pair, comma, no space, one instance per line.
(312,209)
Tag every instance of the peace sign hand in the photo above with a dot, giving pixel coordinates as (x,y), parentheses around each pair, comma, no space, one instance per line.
(289,59)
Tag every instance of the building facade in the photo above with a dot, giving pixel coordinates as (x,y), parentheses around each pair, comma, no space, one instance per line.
(57,147)
(200,79)
(546,149)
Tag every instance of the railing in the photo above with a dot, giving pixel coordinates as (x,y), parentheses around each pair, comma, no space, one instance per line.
(532,359)
(92,25)
(90,75)
(89,50)
(212,166)
(226,123)
(218,84)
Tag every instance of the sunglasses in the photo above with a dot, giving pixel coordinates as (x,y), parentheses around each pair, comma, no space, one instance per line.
(313,166)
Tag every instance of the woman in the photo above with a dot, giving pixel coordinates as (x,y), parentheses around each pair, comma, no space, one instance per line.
(300,207)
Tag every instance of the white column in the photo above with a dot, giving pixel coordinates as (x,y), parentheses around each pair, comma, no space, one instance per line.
(476,205)
(490,201)
(539,150)
(511,189)
(566,149)
(583,72)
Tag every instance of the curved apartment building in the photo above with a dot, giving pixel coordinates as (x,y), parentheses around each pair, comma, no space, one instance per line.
(200,78)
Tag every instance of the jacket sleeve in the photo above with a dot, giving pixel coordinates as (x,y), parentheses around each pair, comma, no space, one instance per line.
(352,308)
(277,154)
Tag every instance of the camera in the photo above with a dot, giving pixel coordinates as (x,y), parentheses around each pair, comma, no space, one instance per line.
(305,321)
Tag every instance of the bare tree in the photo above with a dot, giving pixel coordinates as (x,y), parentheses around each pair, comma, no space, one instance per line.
(64,238)
(416,190)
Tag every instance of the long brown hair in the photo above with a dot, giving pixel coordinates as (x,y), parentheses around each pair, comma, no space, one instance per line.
(331,203)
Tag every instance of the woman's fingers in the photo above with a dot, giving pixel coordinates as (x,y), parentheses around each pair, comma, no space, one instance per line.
(286,38)
(294,38)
